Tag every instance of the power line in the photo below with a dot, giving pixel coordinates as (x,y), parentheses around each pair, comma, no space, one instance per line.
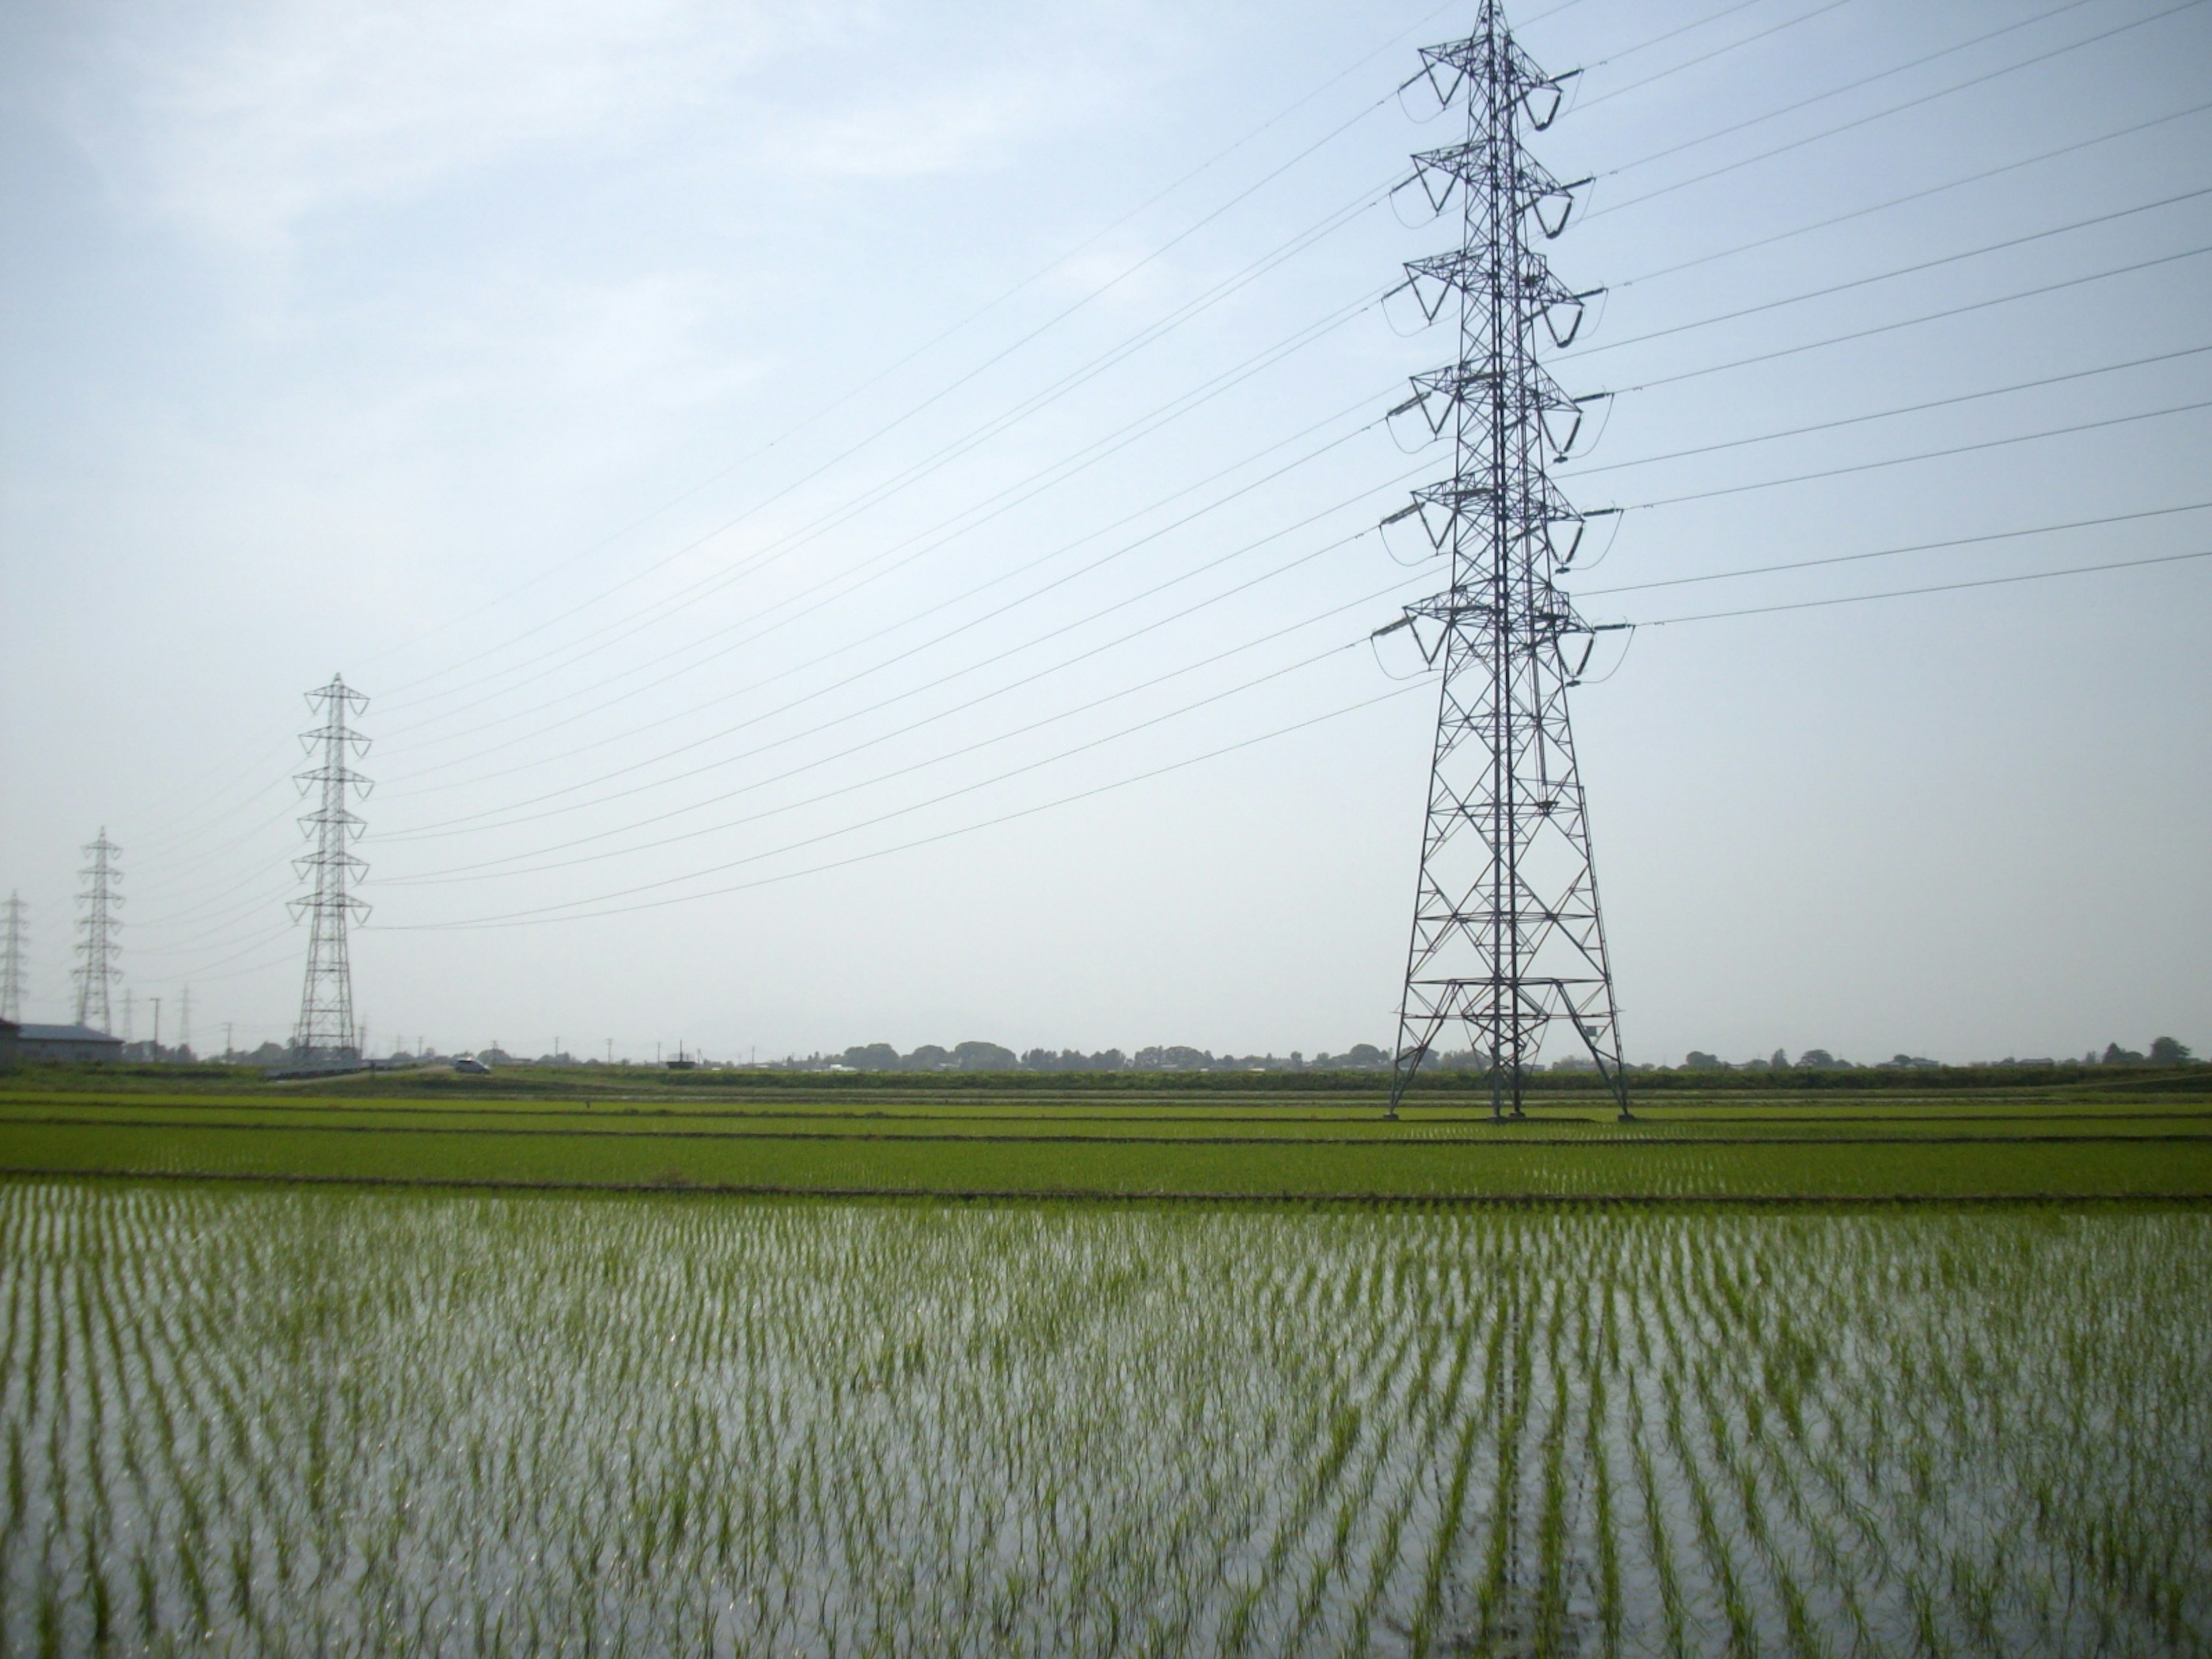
(1985,174)
(464,871)
(1779,352)
(1940,587)
(992,304)
(1891,414)
(862,504)
(1883,328)
(541,915)
(1085,372)
(1892,552)
(1660,40)
(679,597)
(525,917)
(1580,106)
(1889,276)
(1894,109)
(503,814)
(968,519)
(1821,97)
(882,663)
(1928,455)
(1610,466)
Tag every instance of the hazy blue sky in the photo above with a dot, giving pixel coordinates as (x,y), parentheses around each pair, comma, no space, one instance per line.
(746,452)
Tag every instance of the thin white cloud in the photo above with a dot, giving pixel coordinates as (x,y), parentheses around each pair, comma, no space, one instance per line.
(939,132)
(253,119)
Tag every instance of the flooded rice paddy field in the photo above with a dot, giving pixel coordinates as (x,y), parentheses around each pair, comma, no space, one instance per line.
(276,1421)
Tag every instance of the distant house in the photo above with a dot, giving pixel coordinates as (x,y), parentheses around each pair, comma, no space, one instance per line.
(21,1043)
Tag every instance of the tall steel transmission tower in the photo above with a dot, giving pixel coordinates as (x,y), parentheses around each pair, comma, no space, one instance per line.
(96,947)
(326,1029)
(1507,939)
(12,933)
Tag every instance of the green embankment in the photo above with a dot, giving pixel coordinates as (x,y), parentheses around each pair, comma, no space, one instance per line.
(2072,1136)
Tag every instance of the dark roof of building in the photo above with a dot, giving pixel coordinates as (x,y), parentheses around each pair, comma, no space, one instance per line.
(60,1034)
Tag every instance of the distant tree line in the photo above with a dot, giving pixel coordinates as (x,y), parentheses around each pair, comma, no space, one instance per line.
(991,1057)
(2164,1051)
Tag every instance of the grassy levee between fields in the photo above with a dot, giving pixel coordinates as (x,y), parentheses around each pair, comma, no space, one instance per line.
(1257,1167)
(2067,1137)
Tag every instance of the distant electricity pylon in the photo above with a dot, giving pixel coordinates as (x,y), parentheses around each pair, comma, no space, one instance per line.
(326,1029)
(12,933)
(1507,940)
(96,948)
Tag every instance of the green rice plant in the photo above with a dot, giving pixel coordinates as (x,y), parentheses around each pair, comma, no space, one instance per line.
(262,1420)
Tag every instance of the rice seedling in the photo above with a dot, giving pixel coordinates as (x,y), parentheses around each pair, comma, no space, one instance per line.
(269,1421)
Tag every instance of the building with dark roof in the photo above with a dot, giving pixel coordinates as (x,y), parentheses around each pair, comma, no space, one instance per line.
(21,1043)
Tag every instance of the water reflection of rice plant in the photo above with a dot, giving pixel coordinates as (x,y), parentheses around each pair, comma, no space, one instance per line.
(285,1422)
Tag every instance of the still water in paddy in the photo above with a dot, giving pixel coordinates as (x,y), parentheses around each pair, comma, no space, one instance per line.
(283,1421)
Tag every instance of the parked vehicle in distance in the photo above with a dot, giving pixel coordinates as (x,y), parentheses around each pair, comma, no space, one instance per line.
(468,1063)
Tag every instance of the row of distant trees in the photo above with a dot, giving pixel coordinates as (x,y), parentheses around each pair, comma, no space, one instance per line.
(1361,1056)
(2164,1051)
(991,1057)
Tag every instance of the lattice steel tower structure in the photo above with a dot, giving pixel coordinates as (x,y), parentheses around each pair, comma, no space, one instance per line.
(1507,939)
(326,1028)
(96,947)
(12,933)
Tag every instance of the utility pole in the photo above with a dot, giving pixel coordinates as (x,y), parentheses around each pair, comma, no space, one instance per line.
(156,1001)
(96,948)
(1507,940)
(326,1029)
(228,1047)
(184,1018)
(12,933)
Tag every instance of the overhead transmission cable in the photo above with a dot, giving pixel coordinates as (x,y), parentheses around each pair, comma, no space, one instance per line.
(1870,332)
(1304,239)
(1939,587)
(823,411)
(680,597)
(1929,454)
(880,664)
(1941,260)
(575,609)
(1894,109)
(535,862)
(1793,299)
(504,815)
(1947,542)
(549,914)
(1581,104)
(1855,419)
(1890,414)
(522,917)
(753,562)
(1912,196)
(1798,104)
(968,518)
